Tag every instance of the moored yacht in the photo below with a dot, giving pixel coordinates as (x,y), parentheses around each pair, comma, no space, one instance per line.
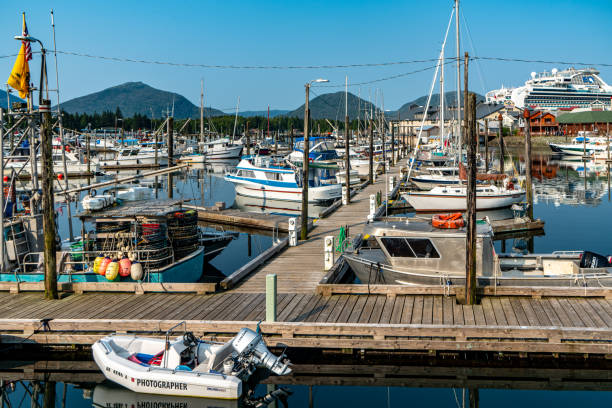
(259,177)
(417,253)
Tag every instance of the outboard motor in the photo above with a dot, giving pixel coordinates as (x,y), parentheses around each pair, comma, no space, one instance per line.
(593,260)
(250,345)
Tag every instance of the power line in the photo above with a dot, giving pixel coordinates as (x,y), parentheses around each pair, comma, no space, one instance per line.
(219,66)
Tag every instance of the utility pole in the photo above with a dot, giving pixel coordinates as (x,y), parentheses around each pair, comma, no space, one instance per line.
(48,205)
(305,160)
(347,155)
(501,143)
(170,130)
(528,181)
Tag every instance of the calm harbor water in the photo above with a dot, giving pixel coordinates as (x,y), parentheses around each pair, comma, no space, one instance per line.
(577,209)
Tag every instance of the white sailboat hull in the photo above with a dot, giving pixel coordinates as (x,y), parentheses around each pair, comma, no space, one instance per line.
(315,194)
(428,201)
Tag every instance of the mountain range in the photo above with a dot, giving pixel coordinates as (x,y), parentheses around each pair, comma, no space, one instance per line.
(12,98)
(139,98)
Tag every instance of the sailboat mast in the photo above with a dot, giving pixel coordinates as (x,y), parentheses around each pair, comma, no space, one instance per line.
(459,138)
(236,119)
(202,111)
(442,96)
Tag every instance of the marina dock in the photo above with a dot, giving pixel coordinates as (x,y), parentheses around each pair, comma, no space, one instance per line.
(366,317)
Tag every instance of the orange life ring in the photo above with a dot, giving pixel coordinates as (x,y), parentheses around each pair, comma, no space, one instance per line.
(448,221)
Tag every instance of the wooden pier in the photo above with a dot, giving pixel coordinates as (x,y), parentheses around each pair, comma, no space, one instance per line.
(364,317)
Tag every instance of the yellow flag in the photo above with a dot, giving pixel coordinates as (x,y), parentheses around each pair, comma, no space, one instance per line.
(20,75)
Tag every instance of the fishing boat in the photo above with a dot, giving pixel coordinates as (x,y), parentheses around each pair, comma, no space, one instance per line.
(422,252)
(221,149)
(259,177)
(186,366)
(138,241)
(74,166)
(582,145)
(453,198)
(134,156)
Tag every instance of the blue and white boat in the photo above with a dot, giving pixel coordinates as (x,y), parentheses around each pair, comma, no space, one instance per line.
(259,177)
(321,149)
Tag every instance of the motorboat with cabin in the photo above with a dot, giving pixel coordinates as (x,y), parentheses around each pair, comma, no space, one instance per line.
(423,252)
(582,145)
(453,197)
(222,148)
(186,366)
(260,177)
(134,156)
(321,152)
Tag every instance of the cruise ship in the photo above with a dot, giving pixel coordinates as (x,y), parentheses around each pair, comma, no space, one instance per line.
(570,88)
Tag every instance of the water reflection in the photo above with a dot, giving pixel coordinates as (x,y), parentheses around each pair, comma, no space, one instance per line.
(490,380)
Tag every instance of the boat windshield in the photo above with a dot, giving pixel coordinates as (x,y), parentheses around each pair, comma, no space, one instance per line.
(410,247)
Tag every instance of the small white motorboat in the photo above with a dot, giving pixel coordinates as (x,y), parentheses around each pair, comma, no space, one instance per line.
(186,366)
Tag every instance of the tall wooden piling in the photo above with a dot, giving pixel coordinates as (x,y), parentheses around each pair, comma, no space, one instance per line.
(470,265)
(528,180)
(48,205)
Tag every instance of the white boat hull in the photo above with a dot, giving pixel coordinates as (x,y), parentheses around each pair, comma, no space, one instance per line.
(231,152)
(315,194)
(159,380)
(434,202)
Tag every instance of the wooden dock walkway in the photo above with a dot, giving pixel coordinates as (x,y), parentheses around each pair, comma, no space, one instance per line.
(299,269)
(375,322)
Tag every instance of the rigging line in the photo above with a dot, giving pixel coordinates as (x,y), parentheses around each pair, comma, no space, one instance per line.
(386,78)
(469,33)
(507,59)
(220,66)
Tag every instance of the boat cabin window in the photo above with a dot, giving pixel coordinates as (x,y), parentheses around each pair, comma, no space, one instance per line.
(273,176)
(246,173)
(410,247)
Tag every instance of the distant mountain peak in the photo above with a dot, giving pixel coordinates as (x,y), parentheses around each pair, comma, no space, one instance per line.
(136,98)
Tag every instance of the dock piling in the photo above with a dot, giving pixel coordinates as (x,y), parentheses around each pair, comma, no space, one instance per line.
(329,252)
(291,227)
(271,298)
(372,207)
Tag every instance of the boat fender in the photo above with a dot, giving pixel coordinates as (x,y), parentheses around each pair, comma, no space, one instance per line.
(96,264)
(136,272)
(447,221)
(103,265)
(125,267)
(112,270)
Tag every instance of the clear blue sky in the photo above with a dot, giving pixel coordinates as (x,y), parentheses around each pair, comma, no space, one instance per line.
(302,33)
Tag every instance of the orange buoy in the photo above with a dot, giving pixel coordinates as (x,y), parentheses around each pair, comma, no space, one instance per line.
(125,266)
(448,221)
(104,265)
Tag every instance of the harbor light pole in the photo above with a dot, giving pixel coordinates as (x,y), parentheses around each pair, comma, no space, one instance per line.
(304,231)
